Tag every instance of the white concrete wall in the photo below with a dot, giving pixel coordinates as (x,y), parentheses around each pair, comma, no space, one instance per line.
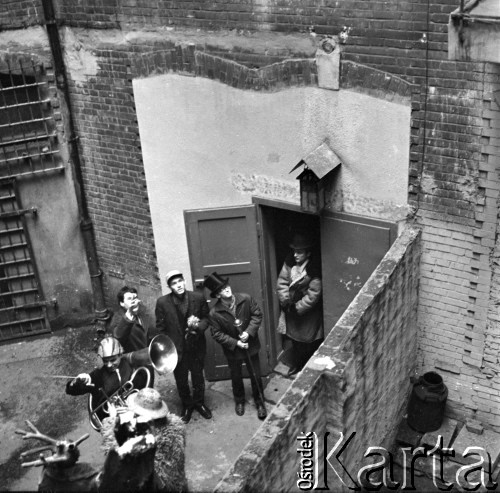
(206,144)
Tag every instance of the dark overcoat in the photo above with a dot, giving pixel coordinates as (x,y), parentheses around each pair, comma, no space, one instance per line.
(171,323)
(227,335)
(105,383)
(132,334)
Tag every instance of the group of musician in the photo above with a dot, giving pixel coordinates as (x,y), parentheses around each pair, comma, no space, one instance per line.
(184,316)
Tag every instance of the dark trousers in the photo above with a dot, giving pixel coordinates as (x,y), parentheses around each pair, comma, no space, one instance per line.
(237,379)
(302,351)
(190,363)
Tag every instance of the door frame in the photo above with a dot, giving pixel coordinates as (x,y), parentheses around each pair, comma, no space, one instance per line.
(270,270)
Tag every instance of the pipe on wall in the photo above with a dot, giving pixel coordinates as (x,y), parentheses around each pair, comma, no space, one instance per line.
(101,312)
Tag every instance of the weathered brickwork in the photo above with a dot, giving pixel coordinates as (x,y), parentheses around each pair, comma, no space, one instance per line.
(461,275)
(114,174)
(488,396)
(358,381)
(381,333)
(18,14)
(453,177)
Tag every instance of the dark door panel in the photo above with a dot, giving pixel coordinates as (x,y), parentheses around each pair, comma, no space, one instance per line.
(351,249)
(225,240)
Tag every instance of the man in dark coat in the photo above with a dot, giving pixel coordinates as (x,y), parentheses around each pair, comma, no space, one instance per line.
(234,322)
(129,327)
(183,316)
(117,369)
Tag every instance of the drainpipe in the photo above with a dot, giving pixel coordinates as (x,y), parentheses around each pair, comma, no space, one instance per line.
(101,312)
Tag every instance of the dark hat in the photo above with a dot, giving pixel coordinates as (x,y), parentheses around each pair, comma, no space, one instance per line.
(301,241)
(214,283)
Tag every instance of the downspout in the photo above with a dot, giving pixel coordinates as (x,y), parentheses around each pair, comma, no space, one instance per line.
(101,312)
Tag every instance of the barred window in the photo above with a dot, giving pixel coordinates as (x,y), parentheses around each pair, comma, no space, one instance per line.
(28,133)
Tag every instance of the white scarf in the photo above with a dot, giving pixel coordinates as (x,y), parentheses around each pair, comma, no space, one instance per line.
(298,272)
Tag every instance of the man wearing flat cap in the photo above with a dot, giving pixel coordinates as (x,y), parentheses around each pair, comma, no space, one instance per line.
(183,316)
(299,292)
(234,323)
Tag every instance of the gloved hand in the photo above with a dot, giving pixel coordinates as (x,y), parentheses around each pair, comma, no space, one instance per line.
(292,309)
(285,305)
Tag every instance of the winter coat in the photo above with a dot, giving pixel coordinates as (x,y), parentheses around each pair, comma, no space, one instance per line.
(304,322)
(227,335)
(131,334)
(169,460)
(170,322)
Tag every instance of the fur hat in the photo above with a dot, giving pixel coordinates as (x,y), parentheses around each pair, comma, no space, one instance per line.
(148,403)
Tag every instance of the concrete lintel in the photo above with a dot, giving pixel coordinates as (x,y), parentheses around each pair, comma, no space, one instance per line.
(473,40)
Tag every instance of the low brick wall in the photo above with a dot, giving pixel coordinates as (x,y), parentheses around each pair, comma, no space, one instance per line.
(358,381)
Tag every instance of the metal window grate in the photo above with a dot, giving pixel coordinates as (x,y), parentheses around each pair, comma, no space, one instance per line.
(28,133)
(22,309)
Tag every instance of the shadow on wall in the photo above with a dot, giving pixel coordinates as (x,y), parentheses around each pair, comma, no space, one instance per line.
(357,383)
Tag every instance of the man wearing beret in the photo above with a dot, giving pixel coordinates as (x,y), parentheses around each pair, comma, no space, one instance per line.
(183,316)
(234,323)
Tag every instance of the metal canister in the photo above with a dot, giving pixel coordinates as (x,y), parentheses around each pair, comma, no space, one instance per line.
(427,403)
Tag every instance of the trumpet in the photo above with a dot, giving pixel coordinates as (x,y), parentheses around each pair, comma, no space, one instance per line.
(160,353)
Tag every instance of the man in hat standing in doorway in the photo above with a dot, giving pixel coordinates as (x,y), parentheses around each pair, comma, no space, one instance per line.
(299,292)
(183,316)
(234,322)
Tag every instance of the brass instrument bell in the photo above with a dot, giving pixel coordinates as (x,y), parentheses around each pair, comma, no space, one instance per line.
(163,354)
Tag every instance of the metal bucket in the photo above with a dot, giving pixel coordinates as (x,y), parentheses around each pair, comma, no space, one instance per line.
(427,403)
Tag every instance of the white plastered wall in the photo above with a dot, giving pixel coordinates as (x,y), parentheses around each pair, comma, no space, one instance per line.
(206,144)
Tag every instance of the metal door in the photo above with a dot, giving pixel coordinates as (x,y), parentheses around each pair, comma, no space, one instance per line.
(22,308)
(351,249)
(225,241)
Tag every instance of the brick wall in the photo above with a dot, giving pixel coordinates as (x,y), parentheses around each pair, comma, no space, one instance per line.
(357,381)
(457,310)
(489,388)
(453,161)
(18,14)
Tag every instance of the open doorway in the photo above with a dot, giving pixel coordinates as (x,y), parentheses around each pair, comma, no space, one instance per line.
(349,248)
(279,221)
(248,244)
